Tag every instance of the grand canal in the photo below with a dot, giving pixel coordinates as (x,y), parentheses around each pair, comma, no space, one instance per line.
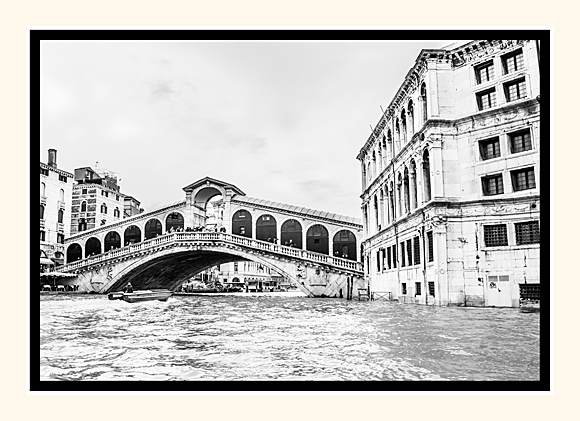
(286,338)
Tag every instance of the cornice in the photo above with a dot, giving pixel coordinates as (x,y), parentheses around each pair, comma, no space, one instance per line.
(56,170)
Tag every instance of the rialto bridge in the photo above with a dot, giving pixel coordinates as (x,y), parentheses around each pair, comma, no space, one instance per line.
(317,251)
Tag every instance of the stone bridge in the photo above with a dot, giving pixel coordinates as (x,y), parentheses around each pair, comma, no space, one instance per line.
(318,251)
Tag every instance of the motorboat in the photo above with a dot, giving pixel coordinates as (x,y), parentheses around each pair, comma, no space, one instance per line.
(144,295)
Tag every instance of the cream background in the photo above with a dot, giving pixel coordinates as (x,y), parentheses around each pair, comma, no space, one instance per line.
(16,16)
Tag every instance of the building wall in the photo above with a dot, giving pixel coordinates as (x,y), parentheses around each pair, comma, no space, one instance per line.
(54,180)
(457,136)
(95,195)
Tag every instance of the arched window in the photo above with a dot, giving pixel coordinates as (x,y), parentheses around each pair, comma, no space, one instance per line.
(369,172)
(84,207)
(60,216)
(317,239)
(92,247)
(400,200)
(374,163)
(426,176)
(74,252)
(411,117)
(376,206)
(174,221)
(41,211)
(406,193)
(266,228)
(413,175)
(397,137)
(291,234)
(42,189)
(344,245)
(392,201)
(403,127)
(242,223)
(61,195)
(116,213)
(424,101)
(390,143)
(104,208)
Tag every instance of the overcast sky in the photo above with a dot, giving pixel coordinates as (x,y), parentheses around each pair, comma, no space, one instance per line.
(283,121)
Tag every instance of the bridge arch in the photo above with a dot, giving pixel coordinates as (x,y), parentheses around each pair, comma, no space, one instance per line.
(93,247)
(344,244)
(153,228)
(74,252)
(242,223)
(132,235)
(317,239)
(174,221)
(291,233)
(266,228)
(112,241)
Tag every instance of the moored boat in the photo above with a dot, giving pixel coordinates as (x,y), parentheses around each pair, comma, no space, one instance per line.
(145,295)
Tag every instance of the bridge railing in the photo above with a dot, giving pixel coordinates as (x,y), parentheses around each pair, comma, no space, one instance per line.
(213,237)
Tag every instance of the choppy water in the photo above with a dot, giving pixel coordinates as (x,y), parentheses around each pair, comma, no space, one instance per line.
(285,338)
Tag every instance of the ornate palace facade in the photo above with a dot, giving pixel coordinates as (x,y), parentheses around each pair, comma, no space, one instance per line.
(451,196)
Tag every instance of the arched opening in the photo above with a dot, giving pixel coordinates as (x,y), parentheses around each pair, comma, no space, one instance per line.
(92,247)
(400,200)
(411,118)
(426,176)
(374,163)
(104,208)
(41,211)
(413,175)
(60,216)
(317,239)
(376,209)
(116,213)
(132,235)
(174,222)
(266,228)
(74,252)
(344,245)
(392,201)
(390,143)
(82,225)
(407,196)
(291,234)
(42,189)
(397,137)
(242,223)
(153,228)
(403,127)
(112,241)
(83,206)
(424,101)
(214,211)
(369,172)
(61,195)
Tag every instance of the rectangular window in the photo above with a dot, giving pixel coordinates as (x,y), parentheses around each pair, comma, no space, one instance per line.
(389,257)
(42,235)
(409,252)
(383,258)
(527,233)
(513,62)
(430,245)
(84,191)
(378,261)
(60,238)
(489,148)
(394,255)
(404,288)
(486,99)
(495,235)
(523,179)
(431,289)
(416,251)
(492,185)
(417,288)
(515,90)
(484,72)
(44,171)
(62,178)
(117,197)
(402,254)
(235,266)
(520,141)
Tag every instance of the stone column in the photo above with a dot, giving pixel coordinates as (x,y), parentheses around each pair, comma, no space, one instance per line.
(440,259)
(413,190)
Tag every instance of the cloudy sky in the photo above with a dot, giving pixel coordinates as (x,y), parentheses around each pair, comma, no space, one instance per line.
(282,121)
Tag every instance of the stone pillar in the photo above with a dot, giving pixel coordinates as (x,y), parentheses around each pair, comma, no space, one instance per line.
(436,163)
(440,260)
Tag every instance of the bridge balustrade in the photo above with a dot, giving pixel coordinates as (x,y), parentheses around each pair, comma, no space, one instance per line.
(216,236)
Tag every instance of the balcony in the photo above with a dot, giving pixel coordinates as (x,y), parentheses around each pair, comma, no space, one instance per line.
(42,224)
(43,200)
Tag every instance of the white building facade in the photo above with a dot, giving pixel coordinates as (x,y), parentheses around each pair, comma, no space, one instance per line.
(450,179)
(55,201)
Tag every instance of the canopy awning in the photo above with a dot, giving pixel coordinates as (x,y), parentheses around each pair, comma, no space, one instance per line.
(59,274)
(45,261)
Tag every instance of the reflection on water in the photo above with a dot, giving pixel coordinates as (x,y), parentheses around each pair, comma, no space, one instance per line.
(285,338)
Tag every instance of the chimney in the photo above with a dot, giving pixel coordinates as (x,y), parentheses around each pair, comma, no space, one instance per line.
(52,158)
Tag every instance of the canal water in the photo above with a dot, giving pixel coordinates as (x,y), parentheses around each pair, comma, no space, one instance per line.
(87,337)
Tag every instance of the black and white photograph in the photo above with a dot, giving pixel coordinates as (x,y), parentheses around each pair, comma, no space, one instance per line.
(316,210)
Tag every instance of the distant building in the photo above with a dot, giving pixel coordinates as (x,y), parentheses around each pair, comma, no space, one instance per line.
(55,216)
(450,179)
(251,277)
(97,200)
